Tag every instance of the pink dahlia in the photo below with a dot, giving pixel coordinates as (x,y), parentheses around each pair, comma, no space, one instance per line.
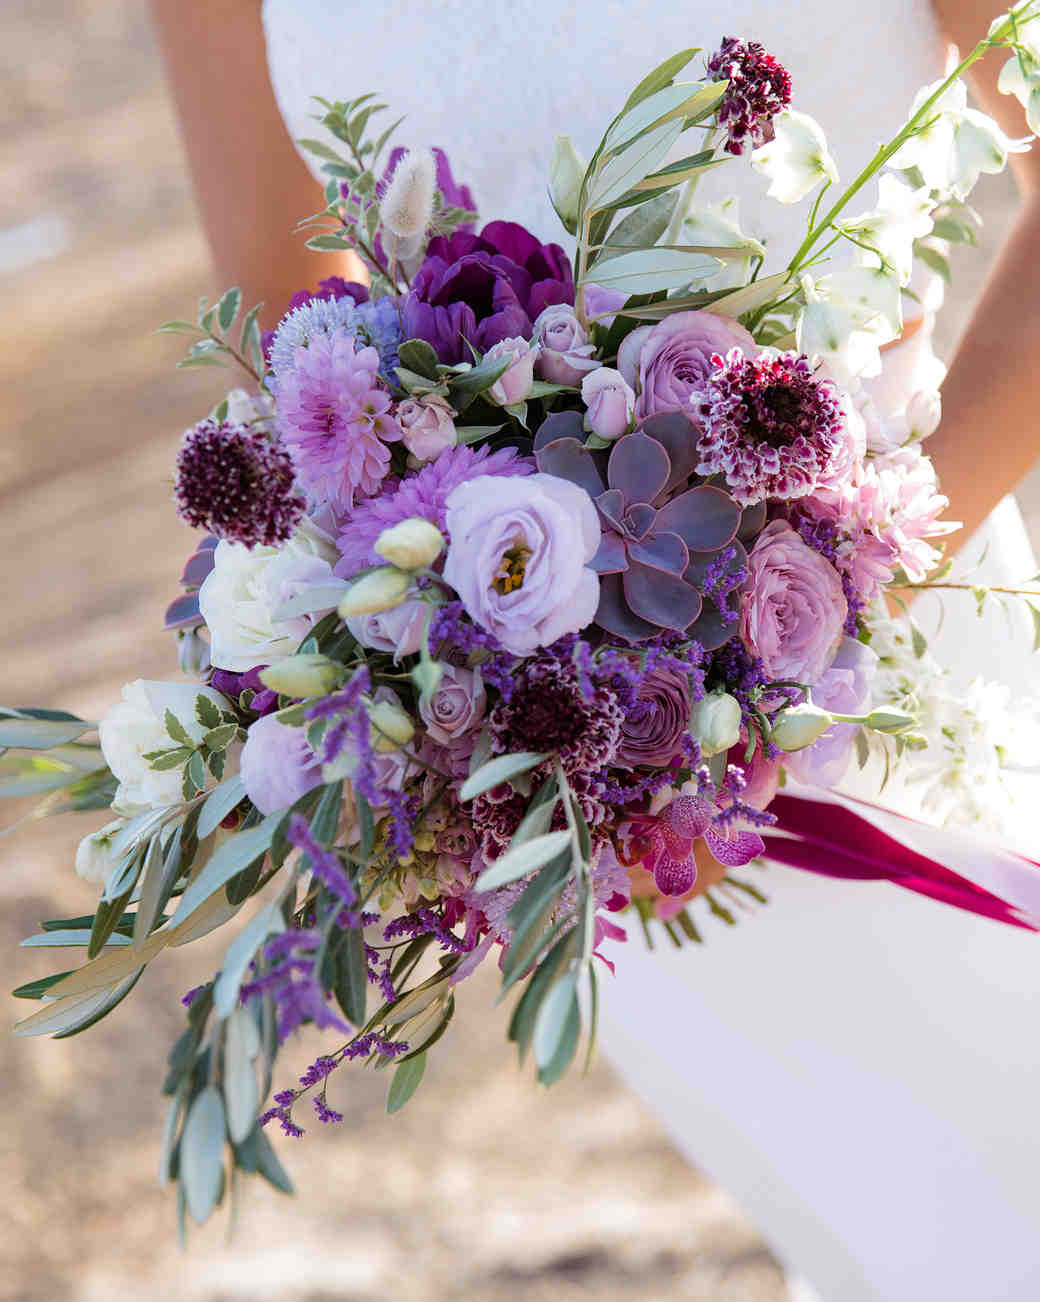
(423,495)
(336,419)
(769,426)
(759,87)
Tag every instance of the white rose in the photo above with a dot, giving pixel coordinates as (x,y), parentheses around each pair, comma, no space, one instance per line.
(94,858)
(245,588)
(137,725)
(253,409)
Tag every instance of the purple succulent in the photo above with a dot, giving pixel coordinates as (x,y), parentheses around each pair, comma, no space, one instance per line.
(483,289)
(183,612)
(670,553)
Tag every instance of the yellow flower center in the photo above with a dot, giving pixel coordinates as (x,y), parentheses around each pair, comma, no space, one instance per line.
(511,572)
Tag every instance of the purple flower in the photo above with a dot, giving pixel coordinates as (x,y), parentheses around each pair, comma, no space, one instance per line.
(658,553)
(845,688)
(565,354)
(398,630)
(794,607)
(330,289)
(237,484)
(666,362)
(277,765)
(456,706)
(484,288)
(769,426)
(335,417)
(759,87)
(519,556)
(422,495)
(655,724)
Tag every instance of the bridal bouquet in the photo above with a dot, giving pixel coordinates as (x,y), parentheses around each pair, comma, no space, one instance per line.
(531,589)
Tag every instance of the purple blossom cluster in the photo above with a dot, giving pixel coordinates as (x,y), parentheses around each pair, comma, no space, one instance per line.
(759,88)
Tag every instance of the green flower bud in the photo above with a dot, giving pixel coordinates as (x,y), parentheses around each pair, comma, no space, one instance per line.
(378,590)
(565,178)
(426,676)
(890,720)
(411,545)
(391,726)
(301,676)
(799,726)
(715,723)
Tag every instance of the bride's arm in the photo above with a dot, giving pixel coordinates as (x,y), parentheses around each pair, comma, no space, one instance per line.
(251,184)
(990,433)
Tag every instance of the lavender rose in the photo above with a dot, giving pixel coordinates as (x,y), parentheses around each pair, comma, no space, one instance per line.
(654,727)
(399,629)
(794,610)
(277,765)
(519,556)
(665,362)
(484,288)
(427,426)
(514,384)
(845,688)
(456,707)
(565,354)
(609,403)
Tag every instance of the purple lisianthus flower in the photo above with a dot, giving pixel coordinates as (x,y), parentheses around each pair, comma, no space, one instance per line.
(519,557)
(423,495)
(484,288)
(664,363)
(656,722)
(845,688)
(277,765)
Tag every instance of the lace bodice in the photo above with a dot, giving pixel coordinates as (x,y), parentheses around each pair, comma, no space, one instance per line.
(494,83)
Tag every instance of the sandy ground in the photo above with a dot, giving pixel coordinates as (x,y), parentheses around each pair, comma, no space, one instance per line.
(485,1187)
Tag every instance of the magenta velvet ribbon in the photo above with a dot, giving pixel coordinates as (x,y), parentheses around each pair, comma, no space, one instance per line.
(834,841)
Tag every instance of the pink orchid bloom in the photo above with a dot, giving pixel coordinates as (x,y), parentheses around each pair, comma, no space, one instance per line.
(666,842)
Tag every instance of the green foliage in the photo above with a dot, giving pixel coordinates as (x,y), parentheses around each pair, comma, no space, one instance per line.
(213,346)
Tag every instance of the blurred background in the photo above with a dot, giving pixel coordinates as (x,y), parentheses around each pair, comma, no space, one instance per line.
(485,1187)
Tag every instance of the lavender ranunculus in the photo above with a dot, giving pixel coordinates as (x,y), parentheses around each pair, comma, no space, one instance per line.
(654,726)
(277,765)
(519,556)
(665,362)
(844,687)
(483,289)
(794,609)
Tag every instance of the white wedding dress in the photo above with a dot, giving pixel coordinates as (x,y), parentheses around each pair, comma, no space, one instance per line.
(859,1066)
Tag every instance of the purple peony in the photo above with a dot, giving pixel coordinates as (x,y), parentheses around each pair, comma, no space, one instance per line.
(423,495)
(484,288)
(519,558)
(277,765)
(335,418)
(655,724)
(666,362)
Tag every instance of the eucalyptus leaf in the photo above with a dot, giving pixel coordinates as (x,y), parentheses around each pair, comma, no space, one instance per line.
(74,939)
(328,243)
(499,770)
(644,271)
(407,1078)
(240,954)
(684,101)
(21,731)
(553,1016)
(643,227)
(219,803)
(520,860)
(625,170)
(241,1096)
(151,891)
(661,76)
(234,855)
(202,1154)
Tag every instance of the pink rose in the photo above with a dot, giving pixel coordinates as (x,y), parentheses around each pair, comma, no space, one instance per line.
(565,354)
(610,403)
(794,610)
(514,384)
(399,629)
(456,707)
(428,425)
(663,363)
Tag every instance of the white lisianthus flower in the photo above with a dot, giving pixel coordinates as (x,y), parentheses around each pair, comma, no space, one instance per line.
(796,160)
(956,144)
(94,858)
(135,726)
(836,334)
(902,216)
(1020,77)
(718,226)
(869,295)
(253,409)
(247,586)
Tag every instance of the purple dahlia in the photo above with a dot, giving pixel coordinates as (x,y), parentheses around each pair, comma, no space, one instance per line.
(484,288)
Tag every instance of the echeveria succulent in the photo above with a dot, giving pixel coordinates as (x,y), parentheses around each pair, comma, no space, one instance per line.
(667,549)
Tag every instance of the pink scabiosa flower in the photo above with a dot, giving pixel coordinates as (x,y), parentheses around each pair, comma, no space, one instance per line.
(664,843)
(237,484)
(423,495)
(769,426)
(336,419)
(759,87)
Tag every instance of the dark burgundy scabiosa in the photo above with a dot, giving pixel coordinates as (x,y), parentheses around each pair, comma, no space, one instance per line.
(769,426)
(484,288)
(758,89)
(660,538)
(237,484)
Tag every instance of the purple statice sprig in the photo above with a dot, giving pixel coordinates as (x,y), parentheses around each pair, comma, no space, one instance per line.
(825,538)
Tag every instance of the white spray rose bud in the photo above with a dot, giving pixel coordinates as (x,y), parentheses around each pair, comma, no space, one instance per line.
(391,726)
(565,178)
(303,675)
(715,723)
(407,205)
(94,857)
(381,589)
(411,545)
(800,726)
(923,413)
